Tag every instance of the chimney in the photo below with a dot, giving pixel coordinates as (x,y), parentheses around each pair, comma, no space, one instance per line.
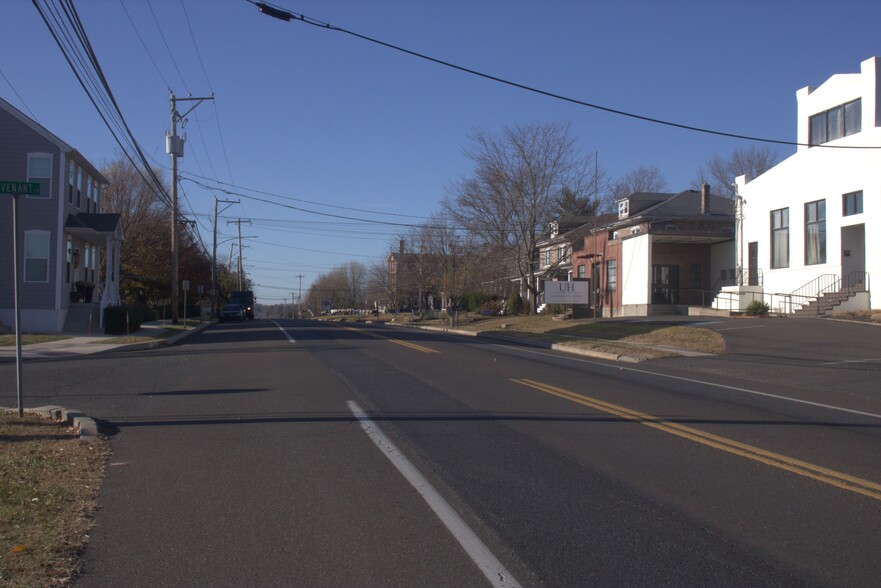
(705,199)
(401,246)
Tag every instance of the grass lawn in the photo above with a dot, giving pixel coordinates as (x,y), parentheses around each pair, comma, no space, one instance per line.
(28,339)
(48,483)
(609,336)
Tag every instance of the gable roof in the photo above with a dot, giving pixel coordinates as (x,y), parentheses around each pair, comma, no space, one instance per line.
(52,138)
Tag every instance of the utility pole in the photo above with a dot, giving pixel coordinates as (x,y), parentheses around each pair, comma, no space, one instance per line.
(174,146)
(300,296)
(214,256)
(240,268)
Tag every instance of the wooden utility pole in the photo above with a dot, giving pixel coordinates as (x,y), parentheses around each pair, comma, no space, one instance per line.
(174,146)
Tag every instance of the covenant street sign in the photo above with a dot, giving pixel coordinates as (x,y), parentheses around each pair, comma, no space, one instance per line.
(27,188)
(566,292)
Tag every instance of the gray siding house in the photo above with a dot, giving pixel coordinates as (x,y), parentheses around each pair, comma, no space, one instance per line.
(62,235)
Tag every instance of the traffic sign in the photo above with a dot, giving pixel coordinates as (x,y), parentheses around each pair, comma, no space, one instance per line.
(27,188)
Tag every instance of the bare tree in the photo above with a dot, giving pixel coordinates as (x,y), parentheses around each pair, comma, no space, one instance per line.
(721,172)
(513,192)
(642,179)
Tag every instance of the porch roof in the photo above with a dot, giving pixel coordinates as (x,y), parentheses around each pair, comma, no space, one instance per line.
(94,227)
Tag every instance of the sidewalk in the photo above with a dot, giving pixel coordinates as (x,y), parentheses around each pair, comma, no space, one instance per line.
(79,344)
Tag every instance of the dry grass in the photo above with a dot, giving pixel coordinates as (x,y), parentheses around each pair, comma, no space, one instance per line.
(28,339)
(48,483)
(861,315)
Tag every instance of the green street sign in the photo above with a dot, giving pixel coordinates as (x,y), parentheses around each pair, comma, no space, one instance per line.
(28,188)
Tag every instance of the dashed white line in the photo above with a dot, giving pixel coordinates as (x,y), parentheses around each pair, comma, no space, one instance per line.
(479,553)
(286,334)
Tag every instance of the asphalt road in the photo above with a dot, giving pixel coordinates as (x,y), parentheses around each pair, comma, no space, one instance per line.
(238,459)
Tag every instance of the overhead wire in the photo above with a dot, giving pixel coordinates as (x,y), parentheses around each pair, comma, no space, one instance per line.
(281,13)
(23,103)
(110,112)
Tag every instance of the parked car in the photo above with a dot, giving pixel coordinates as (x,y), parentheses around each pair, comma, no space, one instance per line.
(232,312)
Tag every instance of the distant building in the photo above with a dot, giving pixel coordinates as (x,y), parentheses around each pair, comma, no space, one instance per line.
(811,232)
(662,253)
(63,234)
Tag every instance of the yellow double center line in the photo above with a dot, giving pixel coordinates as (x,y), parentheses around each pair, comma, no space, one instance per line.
(796,466)
(396,341)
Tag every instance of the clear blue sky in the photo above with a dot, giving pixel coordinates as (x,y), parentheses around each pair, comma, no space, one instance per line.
(321,116)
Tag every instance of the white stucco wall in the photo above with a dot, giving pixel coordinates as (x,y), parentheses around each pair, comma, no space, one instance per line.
(636,271)
(819,173)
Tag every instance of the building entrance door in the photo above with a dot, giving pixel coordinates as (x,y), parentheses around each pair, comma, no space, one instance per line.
(753,255)
(665,284)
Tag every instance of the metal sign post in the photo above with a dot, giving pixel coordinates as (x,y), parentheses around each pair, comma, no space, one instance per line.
(16,189)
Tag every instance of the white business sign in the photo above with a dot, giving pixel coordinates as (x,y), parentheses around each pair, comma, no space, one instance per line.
(566,292)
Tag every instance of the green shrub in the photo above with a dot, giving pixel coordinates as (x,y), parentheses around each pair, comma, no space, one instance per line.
(757,308)
(122,320)
(515,305)
(474,300)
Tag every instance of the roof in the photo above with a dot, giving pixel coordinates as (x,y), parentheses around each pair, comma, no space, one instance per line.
(684,204)
(52,138)
(91,223)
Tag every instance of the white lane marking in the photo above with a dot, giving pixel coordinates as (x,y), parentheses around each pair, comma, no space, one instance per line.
(286,334)
(479,553)
(741,328)
(705,383)
(852,361)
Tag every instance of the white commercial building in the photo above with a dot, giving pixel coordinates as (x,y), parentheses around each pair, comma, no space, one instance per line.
(811,226)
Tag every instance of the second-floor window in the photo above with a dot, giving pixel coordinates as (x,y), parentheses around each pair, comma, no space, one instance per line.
(546,257)
(815,232)
(837,122)
(40,172)
(780,238)
(79,187)
(71,178)
(612,275)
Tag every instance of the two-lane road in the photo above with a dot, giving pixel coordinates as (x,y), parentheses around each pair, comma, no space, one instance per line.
(307,453)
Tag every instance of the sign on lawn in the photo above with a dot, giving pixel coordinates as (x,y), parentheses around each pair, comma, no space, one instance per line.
(566,292)
(27,188)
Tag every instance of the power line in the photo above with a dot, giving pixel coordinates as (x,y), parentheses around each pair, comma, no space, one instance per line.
(14,91)
(278,12)
(293,199)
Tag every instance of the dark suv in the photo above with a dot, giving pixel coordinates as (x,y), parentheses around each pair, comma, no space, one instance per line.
(232,312)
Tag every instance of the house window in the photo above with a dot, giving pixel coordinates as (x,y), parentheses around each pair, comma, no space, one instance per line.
(36,256)
(852,203)
(40,172)
(815,232)
(612,275)
(546,257)
(780,238)
(88,193)
(561,254)
(695,276)
(836,123)
(623,208)
(582,271)
(71,176)
(79,186)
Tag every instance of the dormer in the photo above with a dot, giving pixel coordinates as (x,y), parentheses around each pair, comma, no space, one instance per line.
(623,208)
(554,228)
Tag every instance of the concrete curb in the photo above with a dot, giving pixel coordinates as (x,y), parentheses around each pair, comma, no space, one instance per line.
(530,342)
(160,342)
(85,426)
